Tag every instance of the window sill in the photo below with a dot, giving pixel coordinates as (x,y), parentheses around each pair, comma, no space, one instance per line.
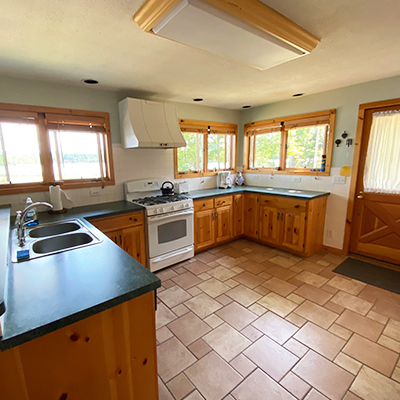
(286,172)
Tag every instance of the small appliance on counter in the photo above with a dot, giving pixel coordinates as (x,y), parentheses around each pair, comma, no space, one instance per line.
(167,188)
(224,179)
(182,187)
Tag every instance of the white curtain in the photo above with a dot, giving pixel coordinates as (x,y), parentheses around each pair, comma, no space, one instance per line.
(382,165)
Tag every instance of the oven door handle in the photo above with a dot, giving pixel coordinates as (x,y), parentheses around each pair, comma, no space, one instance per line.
(173,254)
(157,218)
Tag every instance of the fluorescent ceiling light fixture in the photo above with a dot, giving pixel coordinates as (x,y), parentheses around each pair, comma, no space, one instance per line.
(236,29)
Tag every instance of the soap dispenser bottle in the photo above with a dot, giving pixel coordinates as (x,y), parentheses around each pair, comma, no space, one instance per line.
(31,216)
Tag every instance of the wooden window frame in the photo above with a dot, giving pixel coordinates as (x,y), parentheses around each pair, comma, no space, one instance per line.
(45,152)
(251,127)
(215,127)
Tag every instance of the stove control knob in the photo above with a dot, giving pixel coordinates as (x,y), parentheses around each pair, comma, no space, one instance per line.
(161,210)
(182,206)
(172,207)
(155,211)
(186,205)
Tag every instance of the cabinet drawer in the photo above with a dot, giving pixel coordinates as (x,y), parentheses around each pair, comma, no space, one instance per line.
(205,204)
(119,221)
(223,201)
(283,202)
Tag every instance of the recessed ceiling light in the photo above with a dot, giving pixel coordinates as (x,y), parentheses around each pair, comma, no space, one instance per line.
(198,99)
(246,106)
(298,94)
(90,81)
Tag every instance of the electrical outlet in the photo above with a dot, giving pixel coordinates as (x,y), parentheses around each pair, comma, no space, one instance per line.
(297,179)
(341,180)
(94,192)
(329,233)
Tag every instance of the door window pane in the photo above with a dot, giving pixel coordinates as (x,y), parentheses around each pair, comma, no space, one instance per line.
(190,158)
(19,154)
(305,147)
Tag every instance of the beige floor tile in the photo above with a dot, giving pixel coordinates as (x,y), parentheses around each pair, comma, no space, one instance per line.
(396,374)
(168,284)
(197,267)
(199,348)
(223,299)
(351,396)
(251,333)
(329,289)
(293,384)
(279,286)
(362,325)
(323,263)
(166,274)
(265,353)
(310,266)
(320,340)
(237,270)
(213,287)
(226,341)
(163,393)
(194,291)
(266,276)
(393,330)
(228,262)
(163,316)
(188,328)
(389,343)
(348,363)
(296,319)
(295,298)
(280,272)
(243,365)
(180,386)
(231,283)
(261,290)
(371,385)
(325,376)
(213,377)
(173,357)
(204,276)
(296,347)
(350,286)
(187,280)
(253,267)
(248,279)
(387,308)
(316,314)
(243,295)
(372,293)
(315,395)
(311,279)
(235,253)
(174,296)
(213,320)
(258,257)
(377,317)
(206,257)
(278,304)
(180,310)
(236,315)
(282,261)
(369,353)
(257,309)
(259,386)
(340,331)
(334,307)
(222,273)
(351,302)
(313,293)
(275,327)
(203,305)
(163,334)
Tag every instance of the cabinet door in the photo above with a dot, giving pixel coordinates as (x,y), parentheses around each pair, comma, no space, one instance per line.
(204,229)
(293,229)
(238,203)
(269,224)
(115,236)
(224,223)
(250,214)
(134,244)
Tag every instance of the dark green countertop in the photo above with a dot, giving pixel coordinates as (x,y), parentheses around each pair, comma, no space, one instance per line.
(51,292)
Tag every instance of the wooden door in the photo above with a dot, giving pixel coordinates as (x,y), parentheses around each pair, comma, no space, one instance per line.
(238,207)
(375,228)
(269,224)
(133,242)
(292,229)
(223,224)
(204,229)
(250,215)
(115,236)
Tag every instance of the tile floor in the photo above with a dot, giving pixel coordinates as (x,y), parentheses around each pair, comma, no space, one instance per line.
(247,322)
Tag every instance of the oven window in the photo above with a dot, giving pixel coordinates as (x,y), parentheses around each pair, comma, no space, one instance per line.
(172,231)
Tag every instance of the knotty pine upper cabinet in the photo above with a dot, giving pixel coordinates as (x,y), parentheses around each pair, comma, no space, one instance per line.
(250,215)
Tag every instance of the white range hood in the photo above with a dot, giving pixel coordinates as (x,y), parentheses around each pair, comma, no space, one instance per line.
(149,124)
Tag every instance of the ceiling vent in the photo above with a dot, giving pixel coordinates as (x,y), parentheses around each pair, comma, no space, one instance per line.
(247,31)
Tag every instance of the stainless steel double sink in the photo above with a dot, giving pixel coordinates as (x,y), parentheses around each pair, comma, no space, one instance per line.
(43,240)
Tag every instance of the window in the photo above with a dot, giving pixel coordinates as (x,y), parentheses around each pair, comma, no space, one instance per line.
(291,145)
(42,145)
(210,147)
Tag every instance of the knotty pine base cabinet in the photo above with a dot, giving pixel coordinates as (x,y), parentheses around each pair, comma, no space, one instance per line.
(110,355)
(127,231)
(238,209)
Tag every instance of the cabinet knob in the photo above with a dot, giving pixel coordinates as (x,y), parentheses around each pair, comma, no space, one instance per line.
(223,202)
(135,219)
(297,206)
(266,201)
(204,205)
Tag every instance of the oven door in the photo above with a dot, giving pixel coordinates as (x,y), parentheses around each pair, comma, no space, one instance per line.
(169,232)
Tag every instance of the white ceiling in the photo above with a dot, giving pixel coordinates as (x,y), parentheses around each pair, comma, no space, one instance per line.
(66,41)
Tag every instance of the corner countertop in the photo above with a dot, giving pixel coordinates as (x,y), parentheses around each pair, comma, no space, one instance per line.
(51,292)
(296,193)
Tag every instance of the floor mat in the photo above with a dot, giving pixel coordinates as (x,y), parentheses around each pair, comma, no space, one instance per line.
(381,277)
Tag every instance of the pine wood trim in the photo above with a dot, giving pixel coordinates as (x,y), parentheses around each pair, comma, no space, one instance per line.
(355,166)
(253,12)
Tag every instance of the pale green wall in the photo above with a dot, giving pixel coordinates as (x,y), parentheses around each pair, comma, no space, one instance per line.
(37,93)
(345,101)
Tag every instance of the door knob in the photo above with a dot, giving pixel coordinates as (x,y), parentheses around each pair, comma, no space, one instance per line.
(360,195)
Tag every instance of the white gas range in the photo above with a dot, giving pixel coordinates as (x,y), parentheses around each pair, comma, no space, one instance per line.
(169,222)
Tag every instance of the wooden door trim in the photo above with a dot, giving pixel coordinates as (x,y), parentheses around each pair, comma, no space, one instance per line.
(355,167)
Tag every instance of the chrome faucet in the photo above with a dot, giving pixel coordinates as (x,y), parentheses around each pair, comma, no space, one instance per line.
(20,220)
